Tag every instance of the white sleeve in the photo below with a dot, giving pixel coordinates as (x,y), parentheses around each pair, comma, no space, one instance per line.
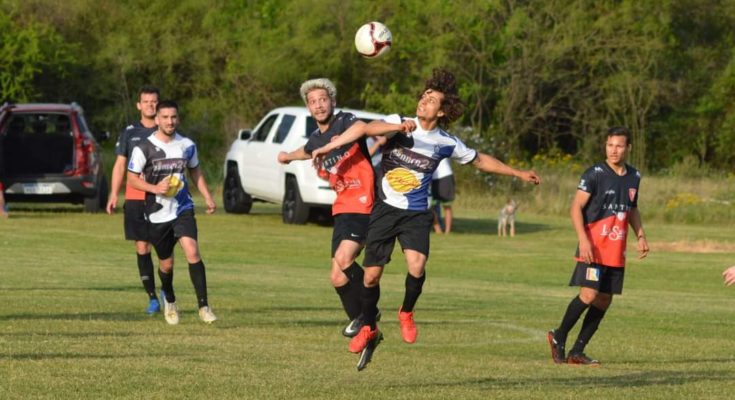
(393,119)
(137,160)
(193,161)
(463,154)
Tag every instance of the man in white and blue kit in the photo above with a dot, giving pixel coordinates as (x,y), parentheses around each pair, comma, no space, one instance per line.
(408,163)
(163,159)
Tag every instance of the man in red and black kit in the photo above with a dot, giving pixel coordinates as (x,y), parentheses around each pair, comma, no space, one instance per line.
(350,174)
(605,204)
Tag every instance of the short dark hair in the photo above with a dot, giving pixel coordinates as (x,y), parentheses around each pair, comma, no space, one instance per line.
(444,81)
(147,89)
(166,104)
(619,131)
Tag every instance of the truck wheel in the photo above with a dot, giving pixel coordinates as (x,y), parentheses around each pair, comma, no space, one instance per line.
(294,209)
(235,199)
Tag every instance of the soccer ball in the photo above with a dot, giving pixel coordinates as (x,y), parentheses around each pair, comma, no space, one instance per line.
(373,40)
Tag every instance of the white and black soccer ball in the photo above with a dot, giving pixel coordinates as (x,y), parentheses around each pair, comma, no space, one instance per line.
(373,39)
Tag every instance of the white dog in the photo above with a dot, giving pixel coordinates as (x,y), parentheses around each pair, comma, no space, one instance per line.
(507,216)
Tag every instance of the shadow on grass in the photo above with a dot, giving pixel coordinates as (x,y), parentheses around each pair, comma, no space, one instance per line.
(127,288)
(490,226)
(92,316)
(635,379)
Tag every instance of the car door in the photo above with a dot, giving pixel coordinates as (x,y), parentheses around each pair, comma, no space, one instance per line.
(255,163)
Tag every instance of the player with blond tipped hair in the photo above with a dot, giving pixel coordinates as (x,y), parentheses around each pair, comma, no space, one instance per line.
(402,213)
(350,174)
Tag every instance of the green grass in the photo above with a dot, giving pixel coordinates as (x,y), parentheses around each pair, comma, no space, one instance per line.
(72,323)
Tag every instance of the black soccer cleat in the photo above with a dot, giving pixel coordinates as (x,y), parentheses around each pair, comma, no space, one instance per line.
(354,326)
(367,353)
(582,359)
(557,350)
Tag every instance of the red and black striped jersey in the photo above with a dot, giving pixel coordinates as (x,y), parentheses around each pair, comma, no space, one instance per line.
(612,196)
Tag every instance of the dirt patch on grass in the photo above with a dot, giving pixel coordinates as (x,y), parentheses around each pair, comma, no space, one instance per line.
(697,246)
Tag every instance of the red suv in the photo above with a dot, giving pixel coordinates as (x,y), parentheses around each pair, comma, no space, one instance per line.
(48,154)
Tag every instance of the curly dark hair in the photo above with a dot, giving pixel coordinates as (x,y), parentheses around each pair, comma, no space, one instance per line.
(444,81)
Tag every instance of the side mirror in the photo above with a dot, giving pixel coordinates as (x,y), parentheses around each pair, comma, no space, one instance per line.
(244,134)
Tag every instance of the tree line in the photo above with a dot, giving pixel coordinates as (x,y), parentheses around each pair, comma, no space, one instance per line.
(537,76)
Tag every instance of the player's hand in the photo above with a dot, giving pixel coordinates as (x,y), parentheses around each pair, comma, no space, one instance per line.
(642,247)
(162,186)
(729,276)
(407,126)
(111,204)
(283,157)
(529,176)
(585,251)
(211,205)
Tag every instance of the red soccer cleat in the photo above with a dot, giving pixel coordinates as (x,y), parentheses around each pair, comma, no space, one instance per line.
(408,327)
(361,340)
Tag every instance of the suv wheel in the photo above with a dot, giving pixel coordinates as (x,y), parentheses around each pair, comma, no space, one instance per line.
(98,202)
(236,200)
(294,209)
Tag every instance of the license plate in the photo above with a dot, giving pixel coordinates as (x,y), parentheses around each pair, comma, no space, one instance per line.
(38,188)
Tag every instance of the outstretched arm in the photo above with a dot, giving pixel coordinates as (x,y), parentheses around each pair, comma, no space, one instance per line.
(490,164)
(298,154)
(729,276)
(360,129)
(198,178)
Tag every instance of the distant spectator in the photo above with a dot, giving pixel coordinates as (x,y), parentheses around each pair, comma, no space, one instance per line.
(442,195)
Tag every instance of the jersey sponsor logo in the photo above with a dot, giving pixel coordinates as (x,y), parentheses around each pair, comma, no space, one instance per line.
(598,169)
(593,274)
(615,207)
(631,193)
(363,199)
(344,184)
(413,160)
(614,232)
(402,180)
(611,191)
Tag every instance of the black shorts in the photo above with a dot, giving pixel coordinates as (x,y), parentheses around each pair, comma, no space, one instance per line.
(349,226)
(136,223)
(387,223)
(442,190)
(599,277)
(165,235)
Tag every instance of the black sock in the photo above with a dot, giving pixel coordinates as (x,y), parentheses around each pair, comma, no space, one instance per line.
(355,274)
(199,279)
(589,327)
(167,285)
(574,311)
(370,297)
(351,307)
(413,291)
(145,269)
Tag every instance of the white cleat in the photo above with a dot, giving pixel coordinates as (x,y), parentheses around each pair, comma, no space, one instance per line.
(206,315)
(171,313)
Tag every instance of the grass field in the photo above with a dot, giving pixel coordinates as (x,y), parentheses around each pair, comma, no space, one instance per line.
(72,323)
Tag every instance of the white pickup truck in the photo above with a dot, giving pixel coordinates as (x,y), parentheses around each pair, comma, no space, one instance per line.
(253,173)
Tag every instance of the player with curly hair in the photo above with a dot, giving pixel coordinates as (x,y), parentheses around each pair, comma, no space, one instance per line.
(402,213)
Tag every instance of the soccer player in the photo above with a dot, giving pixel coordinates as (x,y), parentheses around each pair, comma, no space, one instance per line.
(402,213)
(350,174)
(605,204)
(158,166)
(442,195)
(135,223)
